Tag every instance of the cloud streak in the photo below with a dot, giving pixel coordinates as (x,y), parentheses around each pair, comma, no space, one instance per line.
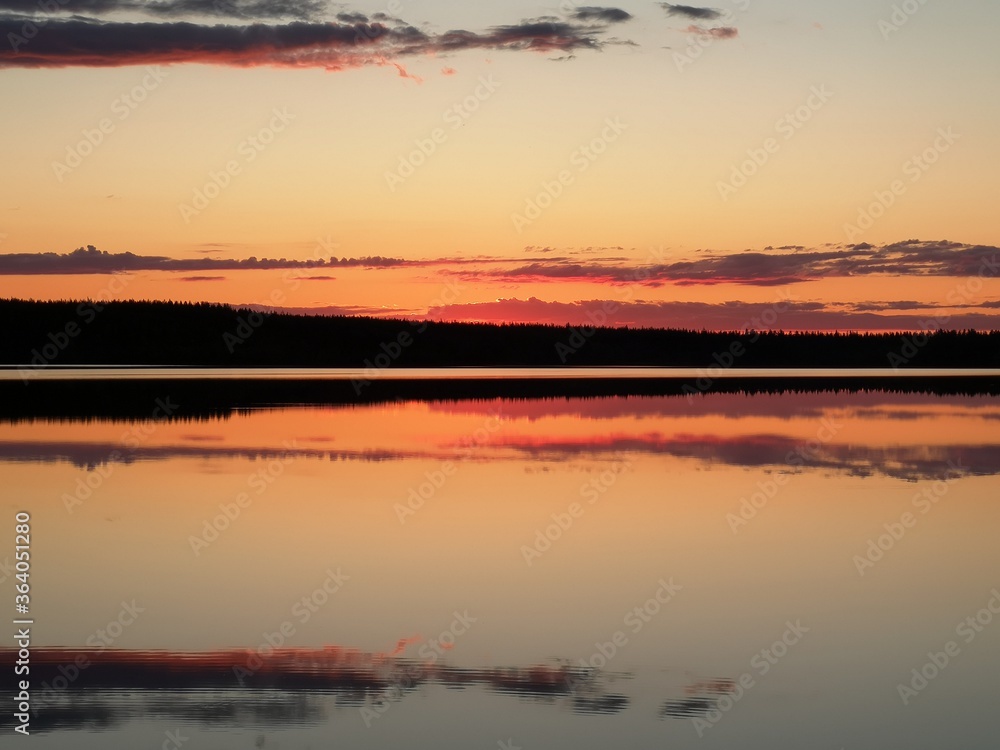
(723,316)
(720,32)
(246,9)
(769,268)
(354,40)
(692,12)
(90,260)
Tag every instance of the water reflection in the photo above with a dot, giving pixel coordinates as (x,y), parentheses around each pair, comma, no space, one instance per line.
(88,688)
(125,398)
(552,523)
(737,431)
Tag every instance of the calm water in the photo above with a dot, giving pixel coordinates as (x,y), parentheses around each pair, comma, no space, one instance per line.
(724,571)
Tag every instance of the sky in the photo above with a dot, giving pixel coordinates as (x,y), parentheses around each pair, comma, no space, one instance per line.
(806,165)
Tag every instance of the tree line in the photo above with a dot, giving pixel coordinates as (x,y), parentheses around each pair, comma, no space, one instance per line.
(44,334)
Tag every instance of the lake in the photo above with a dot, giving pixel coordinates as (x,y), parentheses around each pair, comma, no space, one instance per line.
(789,569)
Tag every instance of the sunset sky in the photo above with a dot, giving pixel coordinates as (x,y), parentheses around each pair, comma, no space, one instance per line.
(827,165)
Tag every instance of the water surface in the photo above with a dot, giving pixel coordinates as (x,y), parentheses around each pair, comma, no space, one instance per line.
(732,570)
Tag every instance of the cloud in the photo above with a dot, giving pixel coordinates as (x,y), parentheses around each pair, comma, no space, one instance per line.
(781,267)
(692,12)
(352,41)
(608,15)
(203,278)
(776,268)
(351,17)
(90,260)
(337,310)
(787,315)
(246,9)
(721,32)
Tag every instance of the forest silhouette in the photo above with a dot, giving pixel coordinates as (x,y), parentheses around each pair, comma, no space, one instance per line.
(40,335)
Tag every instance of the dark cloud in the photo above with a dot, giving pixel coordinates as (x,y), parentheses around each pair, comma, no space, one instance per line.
(721,32)
(787,315)
(351,17)
(90,260)
(244,9)
(774,268)
(892,305)
(203,278)
(350,42)
(690,11)
(363,310)
(608,15)
(213,248)
(910,258)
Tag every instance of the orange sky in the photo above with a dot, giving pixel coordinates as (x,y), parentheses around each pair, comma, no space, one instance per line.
(630,136)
